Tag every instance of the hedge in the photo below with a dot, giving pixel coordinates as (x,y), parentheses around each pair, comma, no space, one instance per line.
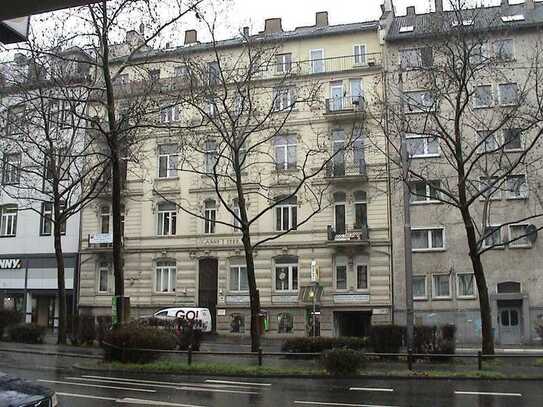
(8,318)
(320,344)
(27,333)
(341,362)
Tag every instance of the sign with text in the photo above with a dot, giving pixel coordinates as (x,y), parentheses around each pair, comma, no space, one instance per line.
(99,238)
(10,264)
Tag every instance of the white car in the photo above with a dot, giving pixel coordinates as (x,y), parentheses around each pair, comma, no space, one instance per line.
(200,316)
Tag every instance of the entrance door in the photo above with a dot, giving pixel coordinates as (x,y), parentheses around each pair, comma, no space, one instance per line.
(45,311)
(509,322)
(207,287)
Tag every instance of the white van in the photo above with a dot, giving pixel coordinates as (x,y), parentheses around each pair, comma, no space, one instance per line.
(201,316)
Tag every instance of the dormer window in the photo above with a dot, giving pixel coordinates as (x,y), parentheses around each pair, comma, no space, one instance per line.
(513,18)
(406,28)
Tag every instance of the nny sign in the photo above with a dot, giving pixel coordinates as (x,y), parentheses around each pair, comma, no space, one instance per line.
(10,264)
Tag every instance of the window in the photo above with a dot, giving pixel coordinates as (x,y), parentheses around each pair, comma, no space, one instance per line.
(360,210)
(170,113)
(419,101)
(488,141)
(167,219)
(442,286)
(508,94)
(341,276)
(213,72)
(339,212)
(285,323)
(316,57)
(490,188)
(513,18)
(337,96)
(282,99)
(465,285)
(518,236)
(416,58)
(167,160)
(103,278)
(46,221)
(504,50)
(210,156)
(422,146)
(492,236)
(283,63)
(357,93)
(165,277)
(361,276)
(210,215)
(12,169)
(424,191)
(286,277)
(104,219)
(122,79)
(238,278)
(512,140)
(181,71)
(406,29)
(359,53)
(483,96)
(237,213)
(286,214)
(517,187)
(428,239)
(8,220)
(285,152)
(211,107)
(419,288)
(154,75)
(338,152)
(480,53)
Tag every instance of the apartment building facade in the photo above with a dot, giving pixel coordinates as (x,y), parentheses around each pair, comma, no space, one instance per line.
(173,258)
(444,289)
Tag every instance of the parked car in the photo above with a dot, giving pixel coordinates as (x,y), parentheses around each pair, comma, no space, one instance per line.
(201,317)
(16,392)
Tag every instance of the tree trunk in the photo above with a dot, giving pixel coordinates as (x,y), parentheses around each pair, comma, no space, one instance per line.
(253,292)
(478,272)
(117,237)
(61,291)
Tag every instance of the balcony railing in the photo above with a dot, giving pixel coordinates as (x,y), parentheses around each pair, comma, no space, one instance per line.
(345,104)
(358,234)
(343,169)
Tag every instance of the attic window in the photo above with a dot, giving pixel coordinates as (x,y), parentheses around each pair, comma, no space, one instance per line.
(516,17)
(406,28)
(464,22)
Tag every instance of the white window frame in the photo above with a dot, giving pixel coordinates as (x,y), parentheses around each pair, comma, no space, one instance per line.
(103,267)
(459,294)
(210,156)
(512,150)
(482,144)
(509,192)
(291,207)
(517,243)
(46,218)
(169,267)
(362,56)
(498,246)
(238,269)
(425,200)
(286,66)
(8,221)
(341,261)
(429,230)
(290,267)
(496,42)
(171,172)
(426,154)
(162,215)
(284,147)
(500,93)
(496,196)
(282,99)
(319,60)
(425,297)
(210,219)
(434,287)
(11,169)
(355,265)
(169,113)
(478,106)
(419,108)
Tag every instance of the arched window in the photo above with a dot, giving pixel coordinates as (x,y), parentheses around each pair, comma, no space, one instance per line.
(210,215)
(285,323)
(286,213)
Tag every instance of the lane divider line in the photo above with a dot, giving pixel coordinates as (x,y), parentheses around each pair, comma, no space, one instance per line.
(325,403)
(230,382)
(370,389)
(150,382)
(126,400)
(484,393)
(97,385)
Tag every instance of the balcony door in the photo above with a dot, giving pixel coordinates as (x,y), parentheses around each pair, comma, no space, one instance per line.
(336,96)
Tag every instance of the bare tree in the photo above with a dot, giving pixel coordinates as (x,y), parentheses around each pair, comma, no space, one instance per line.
(56,169)
(239,135)
(482,143)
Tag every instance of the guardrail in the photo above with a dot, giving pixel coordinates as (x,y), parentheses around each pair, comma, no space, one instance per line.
(410,357)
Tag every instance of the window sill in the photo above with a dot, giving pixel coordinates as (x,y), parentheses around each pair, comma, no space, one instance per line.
(7,236)
(514,150)
(420,298)
(162,293)
(483,107)
(160,179)
(432,202)
(285,292)
(516,198)
(466,297)
(428,250)
(497,247)
(524,246)
(414,157)
(442,298)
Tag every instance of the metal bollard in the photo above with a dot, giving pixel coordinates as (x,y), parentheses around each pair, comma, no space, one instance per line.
(409,360)
(189,355)
(480,360)
(259,356)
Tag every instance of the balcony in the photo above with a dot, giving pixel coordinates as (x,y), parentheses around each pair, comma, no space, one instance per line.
(349,237)
(345,171)
(344,105)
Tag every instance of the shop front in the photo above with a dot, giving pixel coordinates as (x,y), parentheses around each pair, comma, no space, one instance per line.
(28,284)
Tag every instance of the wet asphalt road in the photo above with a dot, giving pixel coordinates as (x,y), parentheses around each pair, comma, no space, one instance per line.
(85,389)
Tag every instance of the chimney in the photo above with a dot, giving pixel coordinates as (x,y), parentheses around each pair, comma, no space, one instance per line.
(439,6)
(321,18)
(530,5)
(272,25)
(191,37)
(411,10)
(246,32)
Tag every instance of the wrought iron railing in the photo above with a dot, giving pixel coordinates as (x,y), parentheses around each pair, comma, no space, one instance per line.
(345,104)
(356,233)
(344,169)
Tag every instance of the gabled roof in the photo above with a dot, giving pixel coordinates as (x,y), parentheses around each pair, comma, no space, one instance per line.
(482,18)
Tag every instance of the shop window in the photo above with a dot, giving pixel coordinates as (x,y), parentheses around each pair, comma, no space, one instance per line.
(285,323)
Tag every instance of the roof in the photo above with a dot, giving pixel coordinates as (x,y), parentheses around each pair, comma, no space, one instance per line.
(298,33)
(483,18)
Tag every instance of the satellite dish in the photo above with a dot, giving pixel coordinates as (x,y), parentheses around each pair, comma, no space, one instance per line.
(531,233)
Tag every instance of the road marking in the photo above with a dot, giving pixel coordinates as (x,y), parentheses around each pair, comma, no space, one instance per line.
(97,385)
(140,381)
(187,388)
(229,382)
(483,393)
(324,403)
(127,400)
(370,389)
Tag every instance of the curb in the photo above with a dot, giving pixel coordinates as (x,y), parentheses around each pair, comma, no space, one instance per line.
(45,353)
(304,376)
